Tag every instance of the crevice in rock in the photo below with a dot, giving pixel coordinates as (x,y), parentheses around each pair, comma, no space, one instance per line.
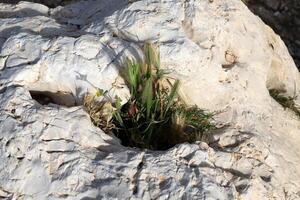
(59,98)
(136,176)
(234,172)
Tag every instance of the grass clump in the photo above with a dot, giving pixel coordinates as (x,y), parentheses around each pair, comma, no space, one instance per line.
(154,117)
(285,102)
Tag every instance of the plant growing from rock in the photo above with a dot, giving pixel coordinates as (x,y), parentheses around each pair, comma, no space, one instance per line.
(286,102)
(155,117)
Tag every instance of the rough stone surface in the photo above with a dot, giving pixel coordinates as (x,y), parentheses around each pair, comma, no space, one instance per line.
(226,59)
(284,17)
(50,3)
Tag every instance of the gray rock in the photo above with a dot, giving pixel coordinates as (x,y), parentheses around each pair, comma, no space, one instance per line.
(52,150)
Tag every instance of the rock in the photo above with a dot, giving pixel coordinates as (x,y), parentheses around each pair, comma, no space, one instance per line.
(51,4)
(49,148)
(283,16)
(23,9)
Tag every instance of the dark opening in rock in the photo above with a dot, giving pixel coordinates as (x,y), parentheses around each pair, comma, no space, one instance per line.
(59,98)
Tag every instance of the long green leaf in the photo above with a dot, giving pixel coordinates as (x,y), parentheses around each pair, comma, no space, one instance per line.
(133,74)
(150,59)
(117,116)
(172,95)
(147,96)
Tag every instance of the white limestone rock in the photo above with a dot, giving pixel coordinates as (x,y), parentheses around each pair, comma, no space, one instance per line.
(226,58)
(23,9)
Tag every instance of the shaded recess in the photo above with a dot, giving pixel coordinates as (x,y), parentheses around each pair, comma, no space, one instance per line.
(59,98)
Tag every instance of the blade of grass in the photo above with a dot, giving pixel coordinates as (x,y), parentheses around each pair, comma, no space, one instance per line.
(147,96)
(171,96)
(117,113)
(150,59)
(133,74)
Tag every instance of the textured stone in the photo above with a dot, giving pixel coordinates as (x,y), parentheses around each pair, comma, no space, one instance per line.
(283,16)
(53,151)
(23,9)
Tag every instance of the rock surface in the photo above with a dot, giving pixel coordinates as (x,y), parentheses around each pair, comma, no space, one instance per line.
(226,58)
(49,3)
(284,17)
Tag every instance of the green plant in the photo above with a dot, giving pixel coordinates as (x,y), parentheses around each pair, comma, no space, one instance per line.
(286,102)
(154,117)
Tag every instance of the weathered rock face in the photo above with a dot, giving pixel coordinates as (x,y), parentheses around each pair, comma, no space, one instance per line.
(49,3)
(226,59)
(284,17)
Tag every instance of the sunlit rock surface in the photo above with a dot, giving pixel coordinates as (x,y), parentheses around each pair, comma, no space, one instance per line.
(226,59)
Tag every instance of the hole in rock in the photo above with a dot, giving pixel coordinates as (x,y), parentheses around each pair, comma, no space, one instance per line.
(59,98)
(186,124)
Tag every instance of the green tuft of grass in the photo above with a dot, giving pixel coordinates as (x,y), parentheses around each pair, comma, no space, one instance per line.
(285,102)
(154,117)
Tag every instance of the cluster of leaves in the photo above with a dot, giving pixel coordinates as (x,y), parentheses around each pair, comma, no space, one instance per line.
(154,117)
(286,102)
